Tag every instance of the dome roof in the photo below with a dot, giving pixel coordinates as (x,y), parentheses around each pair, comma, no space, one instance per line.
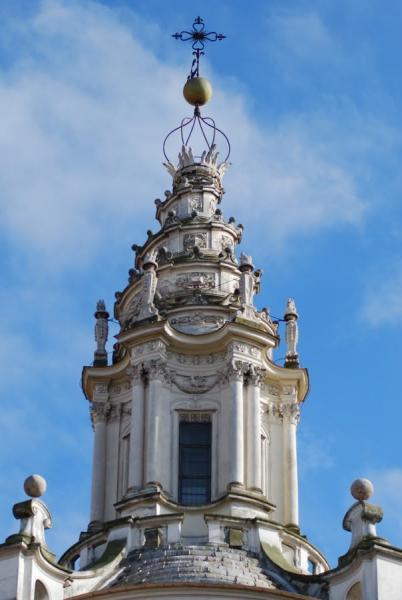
(209,563)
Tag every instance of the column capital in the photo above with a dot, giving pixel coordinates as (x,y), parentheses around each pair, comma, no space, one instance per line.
(156,369)
(99,412)
(115,413)
(236,370)
(284,411)
(136,373)
(255,375)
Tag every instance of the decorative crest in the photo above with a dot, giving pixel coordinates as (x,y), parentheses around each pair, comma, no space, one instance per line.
(198,91)
(198,36)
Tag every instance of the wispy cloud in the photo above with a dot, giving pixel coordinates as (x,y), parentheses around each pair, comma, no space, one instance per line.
(83,133)
(382,300)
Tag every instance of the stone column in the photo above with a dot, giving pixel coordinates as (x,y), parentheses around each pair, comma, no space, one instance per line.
(235,425)
(153,443)
(112,460)
(136,460)
(291,492)
(254,430)
(275,463)
(99,412)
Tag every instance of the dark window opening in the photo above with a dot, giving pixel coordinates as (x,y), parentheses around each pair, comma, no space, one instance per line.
(194,463)
(312,567)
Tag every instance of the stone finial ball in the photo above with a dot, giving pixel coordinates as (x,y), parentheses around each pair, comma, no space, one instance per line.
(362,489)
(197,91)
(35,486)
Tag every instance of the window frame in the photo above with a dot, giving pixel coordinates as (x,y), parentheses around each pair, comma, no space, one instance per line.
(208,461)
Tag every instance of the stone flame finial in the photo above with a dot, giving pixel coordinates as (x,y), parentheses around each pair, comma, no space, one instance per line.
(101,334)
(292,335)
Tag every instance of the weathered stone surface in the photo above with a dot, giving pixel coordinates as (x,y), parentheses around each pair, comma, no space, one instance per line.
(196,564)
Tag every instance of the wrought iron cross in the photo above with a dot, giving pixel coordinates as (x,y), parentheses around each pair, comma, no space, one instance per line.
(198,36)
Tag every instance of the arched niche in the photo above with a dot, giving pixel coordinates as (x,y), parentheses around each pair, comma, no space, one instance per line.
(40,592)
(355,592)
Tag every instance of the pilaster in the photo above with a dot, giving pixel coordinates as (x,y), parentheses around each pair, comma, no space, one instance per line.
(254,378)
(235,431)
(136,459)
(99,412)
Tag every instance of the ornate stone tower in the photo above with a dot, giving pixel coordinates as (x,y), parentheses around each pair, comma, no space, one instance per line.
(195,424)
(194,483)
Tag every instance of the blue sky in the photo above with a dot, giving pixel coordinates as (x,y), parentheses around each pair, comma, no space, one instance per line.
(310,96)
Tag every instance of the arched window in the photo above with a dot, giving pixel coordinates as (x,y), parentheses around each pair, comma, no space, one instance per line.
(355,592)
(40,591)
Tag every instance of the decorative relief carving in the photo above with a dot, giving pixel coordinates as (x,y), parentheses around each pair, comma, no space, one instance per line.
(197,323)
(288,390)
(196,203)
(100,388)
(194,239)
(244,349)
(196,280)
(195,359)
(153,346)
(195,417)
(272,390)
(195,384)
(133,308)
(227,242)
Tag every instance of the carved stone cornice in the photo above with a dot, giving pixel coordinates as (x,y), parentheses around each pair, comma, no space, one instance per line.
(195,359)
(101,391)
(242,348)
(148,348)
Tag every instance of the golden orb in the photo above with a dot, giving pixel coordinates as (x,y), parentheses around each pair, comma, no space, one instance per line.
(197,91)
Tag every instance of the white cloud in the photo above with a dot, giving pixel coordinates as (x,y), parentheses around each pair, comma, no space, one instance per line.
(382,302)
(81,144)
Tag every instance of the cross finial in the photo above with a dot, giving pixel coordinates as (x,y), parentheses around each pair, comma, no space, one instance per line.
(198,36)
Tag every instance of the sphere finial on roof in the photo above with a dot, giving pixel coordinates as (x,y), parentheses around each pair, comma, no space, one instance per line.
(197,91)
(35,486)
(198,135)
(362,489)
